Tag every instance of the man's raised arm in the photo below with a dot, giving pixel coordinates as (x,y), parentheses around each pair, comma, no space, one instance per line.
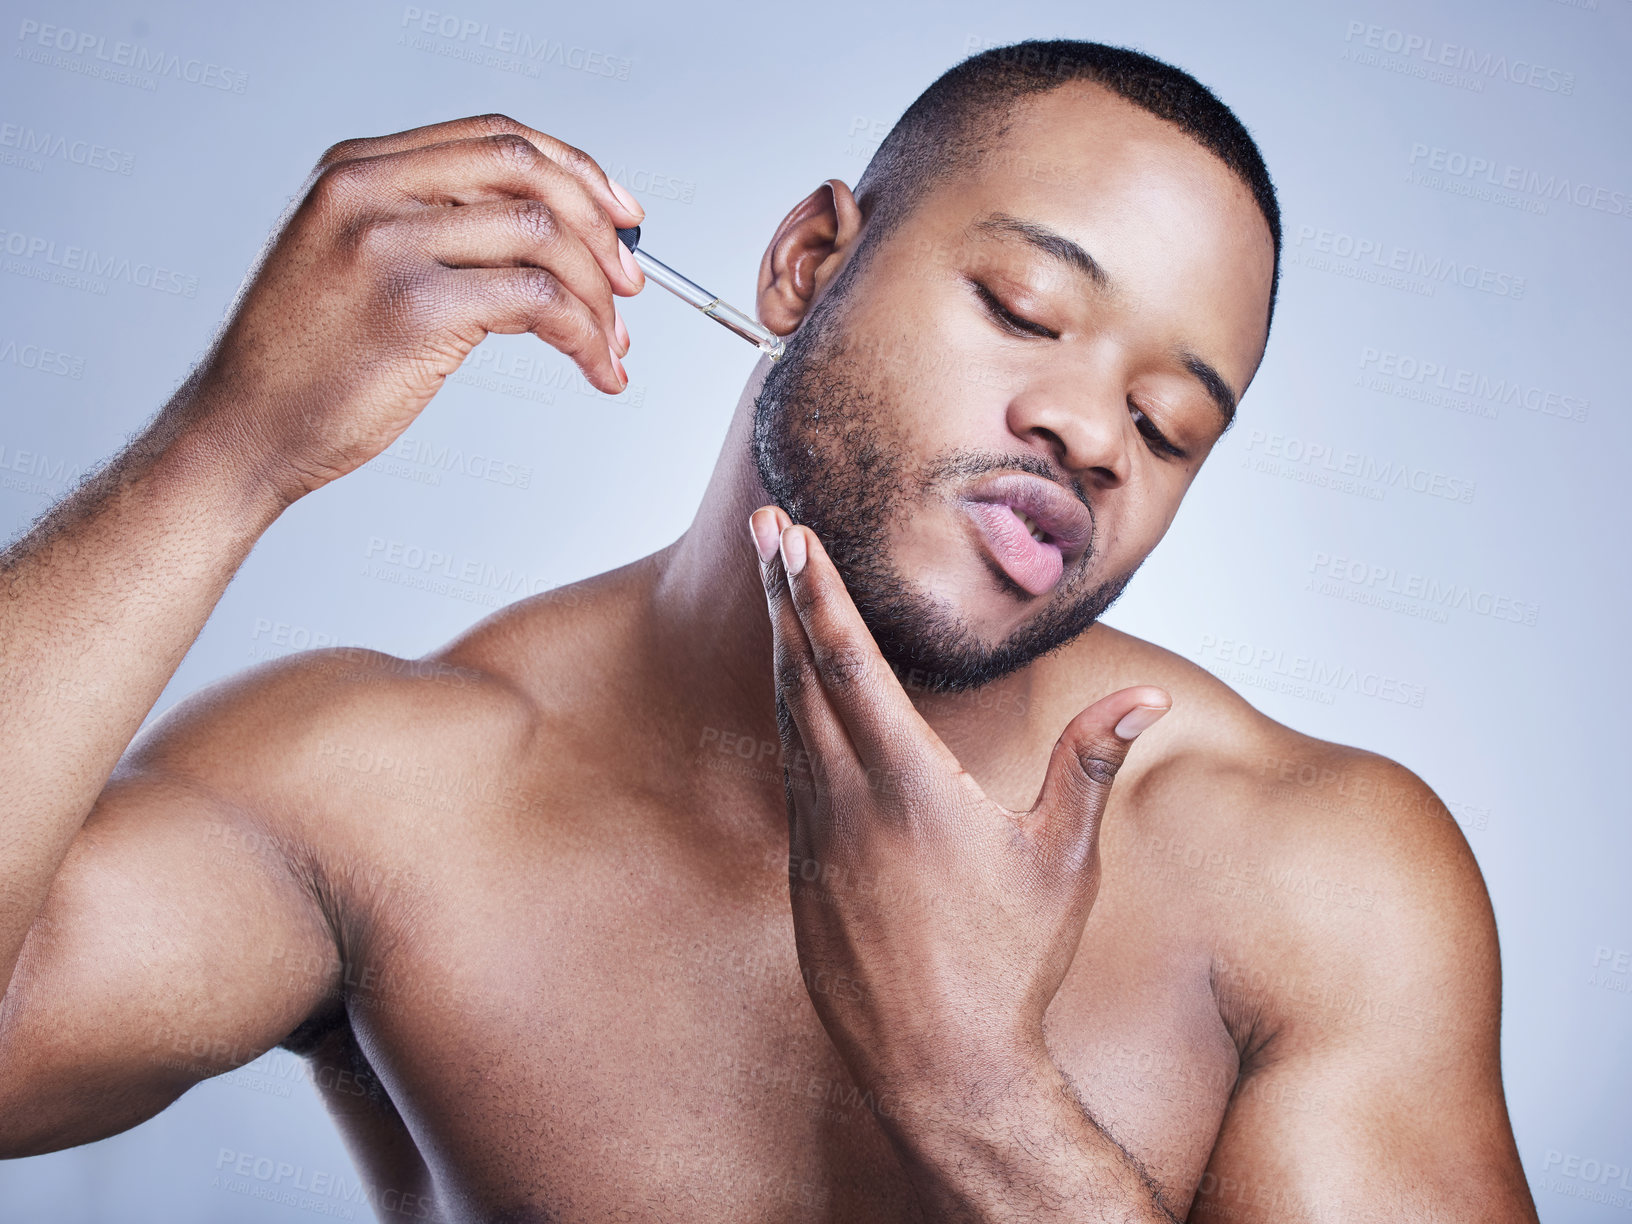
(402,254)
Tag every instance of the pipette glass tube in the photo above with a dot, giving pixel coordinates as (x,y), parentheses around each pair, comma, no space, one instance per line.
(723,313)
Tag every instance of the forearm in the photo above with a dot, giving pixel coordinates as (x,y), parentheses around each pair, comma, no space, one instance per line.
(1017,1147)
(98,604)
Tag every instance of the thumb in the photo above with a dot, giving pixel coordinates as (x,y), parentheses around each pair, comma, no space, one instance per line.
(1086,758)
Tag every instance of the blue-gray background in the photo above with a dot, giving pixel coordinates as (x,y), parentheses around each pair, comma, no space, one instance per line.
(1424,497)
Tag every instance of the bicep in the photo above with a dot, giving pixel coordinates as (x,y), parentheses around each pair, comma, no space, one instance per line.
(1378,1096)
(176,943)
(1357,1134)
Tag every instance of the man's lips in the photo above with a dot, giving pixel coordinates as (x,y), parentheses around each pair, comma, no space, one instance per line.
(1012,509)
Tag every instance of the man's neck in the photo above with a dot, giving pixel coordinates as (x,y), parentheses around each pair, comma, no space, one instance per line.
(712,635)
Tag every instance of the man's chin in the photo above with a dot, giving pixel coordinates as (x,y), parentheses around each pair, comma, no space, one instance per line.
(935,645)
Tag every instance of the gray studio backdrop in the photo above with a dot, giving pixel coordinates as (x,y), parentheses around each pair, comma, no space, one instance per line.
(1413,540)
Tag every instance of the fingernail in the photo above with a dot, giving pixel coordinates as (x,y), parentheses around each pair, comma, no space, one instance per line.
(617,365)
(793,550)
(763,524)
(627,200)
(619,330)
(631,269)
(1138,719)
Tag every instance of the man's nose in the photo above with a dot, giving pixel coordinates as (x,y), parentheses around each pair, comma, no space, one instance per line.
(1081,417)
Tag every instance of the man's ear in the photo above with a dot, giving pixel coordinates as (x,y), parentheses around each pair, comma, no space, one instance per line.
(808,249)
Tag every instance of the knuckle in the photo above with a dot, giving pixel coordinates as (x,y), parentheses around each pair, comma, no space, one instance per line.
(493,124)
(377,239)
(576,162)
(1098,764)
(343,180)
(543,290)
(597,230)
(537,221)
(514,151)
(345,150)
(553,309)
(793,675)
(775,582)
(844,666)
(580,335)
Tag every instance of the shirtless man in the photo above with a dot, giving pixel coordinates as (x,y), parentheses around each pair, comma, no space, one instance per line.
(718,887)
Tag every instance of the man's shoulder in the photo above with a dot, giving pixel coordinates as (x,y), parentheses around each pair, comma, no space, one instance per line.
(325,749)
(490,687)
(1269,781)
(558,646)
(353,755)
(1315,854)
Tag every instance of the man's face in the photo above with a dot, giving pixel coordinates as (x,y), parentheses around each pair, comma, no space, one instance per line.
(994,423)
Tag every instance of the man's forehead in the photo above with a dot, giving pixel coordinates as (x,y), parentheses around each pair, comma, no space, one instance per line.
(1134,191)
(1083,137)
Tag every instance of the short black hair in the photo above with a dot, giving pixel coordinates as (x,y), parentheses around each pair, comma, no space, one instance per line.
(963,117)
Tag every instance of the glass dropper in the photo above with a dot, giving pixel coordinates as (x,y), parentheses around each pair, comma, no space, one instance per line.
(723,313)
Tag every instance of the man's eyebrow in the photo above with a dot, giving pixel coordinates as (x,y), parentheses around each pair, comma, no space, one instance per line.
(1055,245)
(1058,247)
(1217,389)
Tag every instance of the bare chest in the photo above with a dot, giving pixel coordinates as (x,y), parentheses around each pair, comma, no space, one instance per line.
(629,1035)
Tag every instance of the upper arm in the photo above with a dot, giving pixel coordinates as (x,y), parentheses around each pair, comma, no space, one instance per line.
(179,939)
(1372,1087)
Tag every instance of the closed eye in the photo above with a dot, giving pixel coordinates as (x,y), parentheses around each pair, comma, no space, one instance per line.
(1154,437)
(1007,318)
(1011,322)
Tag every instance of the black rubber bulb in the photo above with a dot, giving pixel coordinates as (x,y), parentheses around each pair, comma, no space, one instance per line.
(630,237)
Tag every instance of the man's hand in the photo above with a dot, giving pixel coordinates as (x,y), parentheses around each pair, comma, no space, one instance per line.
(958,916)
(959,919)
(404,253)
